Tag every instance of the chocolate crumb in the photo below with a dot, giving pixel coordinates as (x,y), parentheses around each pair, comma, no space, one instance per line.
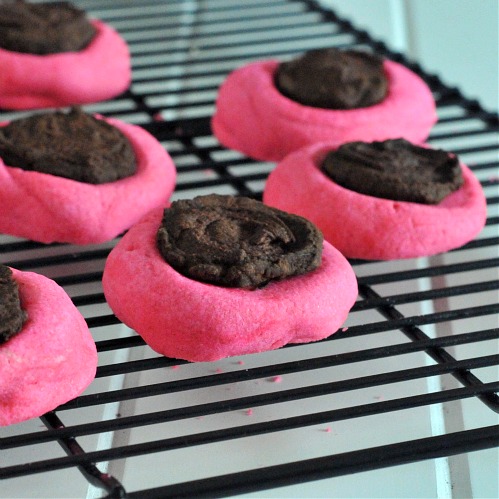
(395,169)
(12,317)
(237,242)
(72,145)
(333,79)
(46,28)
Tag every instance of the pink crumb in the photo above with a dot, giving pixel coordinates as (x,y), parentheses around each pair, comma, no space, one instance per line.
(327,429)
(175,367)
(344,329)
(218,371)
(241,362)
(276,379)
(158,117)
(249,412)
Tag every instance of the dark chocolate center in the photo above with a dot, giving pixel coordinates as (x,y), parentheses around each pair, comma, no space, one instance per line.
(395,169)
(237,242)
(12,316)
(333,79)
(73,145)
(46,28)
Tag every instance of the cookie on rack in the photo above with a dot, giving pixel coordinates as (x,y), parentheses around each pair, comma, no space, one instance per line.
(51,55)
(381,200)
(268,109)
(47,354)
(219,276)
(76,178)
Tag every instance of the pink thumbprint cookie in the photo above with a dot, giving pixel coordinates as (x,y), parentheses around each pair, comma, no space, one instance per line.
(219,276)
(51,55)
(268,109)
(381,200)
(48,357)
(76,178)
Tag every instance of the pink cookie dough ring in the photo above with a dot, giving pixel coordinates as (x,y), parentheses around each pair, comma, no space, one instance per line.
(186,319)
(48,208)
(371,228)
(253,117)
(98,72)
(51,360)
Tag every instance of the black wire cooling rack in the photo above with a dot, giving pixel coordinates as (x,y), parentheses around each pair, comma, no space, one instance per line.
(411,379)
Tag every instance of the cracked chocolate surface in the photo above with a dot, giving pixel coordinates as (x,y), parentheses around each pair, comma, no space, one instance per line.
(73,145)
(237,242)
(12,316)
(46,28)
(395,169)
(333,79)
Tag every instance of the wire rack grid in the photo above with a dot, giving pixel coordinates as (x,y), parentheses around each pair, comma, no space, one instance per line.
(410,382)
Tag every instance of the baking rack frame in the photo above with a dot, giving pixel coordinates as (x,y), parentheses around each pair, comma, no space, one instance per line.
(186,129)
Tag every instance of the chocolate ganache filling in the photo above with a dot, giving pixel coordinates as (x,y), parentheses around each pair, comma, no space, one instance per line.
(46,28)
(395,169)
(73,145)
(333,79)
(12,316)
(237,242)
